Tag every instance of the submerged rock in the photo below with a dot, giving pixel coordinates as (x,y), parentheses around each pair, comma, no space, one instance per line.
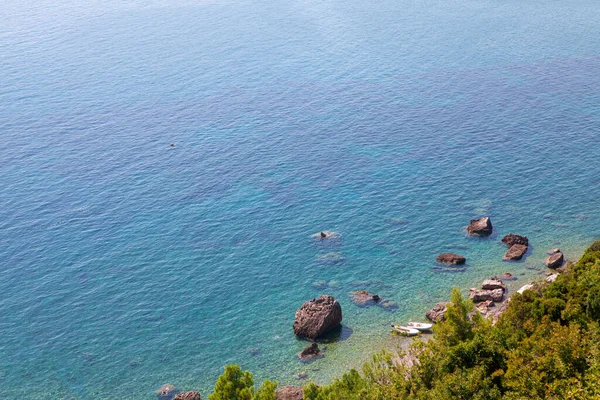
(507,276)
(480,227)
(289,393)
(388,305)
(166,392)
(449,258)
(317,316)
(438,312)
(362,298)
(310,352)
(188,396)
(331,258)
(555,260)
(511,239)
(484,295)
(553,251)
(516,252)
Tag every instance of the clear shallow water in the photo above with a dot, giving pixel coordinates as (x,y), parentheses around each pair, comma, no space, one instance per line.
(126,263)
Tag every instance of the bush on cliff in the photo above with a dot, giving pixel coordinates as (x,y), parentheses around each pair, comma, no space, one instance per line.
(235,384)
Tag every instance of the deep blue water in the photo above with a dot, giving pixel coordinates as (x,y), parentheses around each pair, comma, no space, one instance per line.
(126,263)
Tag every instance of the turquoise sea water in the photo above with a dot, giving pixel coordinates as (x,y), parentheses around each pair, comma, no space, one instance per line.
(126,263)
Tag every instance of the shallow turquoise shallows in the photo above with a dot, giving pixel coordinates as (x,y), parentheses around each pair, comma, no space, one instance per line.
(127,263)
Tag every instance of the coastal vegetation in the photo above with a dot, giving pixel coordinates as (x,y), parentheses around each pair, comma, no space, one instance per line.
(546,345)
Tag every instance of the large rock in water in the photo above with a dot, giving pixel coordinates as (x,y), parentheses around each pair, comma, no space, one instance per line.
(555,260)
(317,316)
(511,239)
(480,227)
(449,258)
(516,252)
(188,396)
(438,312)
(290,393)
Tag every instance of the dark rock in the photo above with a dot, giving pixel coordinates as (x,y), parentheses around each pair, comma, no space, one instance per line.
(317,316)
(438,312)
(516,252)
(166,392)
(480,227)
(310,352)
(494,283)
(188,396)
(362,298)
(289,393)
(511,239)
(555,260)
(449,258)
(484,295)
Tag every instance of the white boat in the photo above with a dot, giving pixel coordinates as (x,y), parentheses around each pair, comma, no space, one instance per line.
(405,330)
(420,326)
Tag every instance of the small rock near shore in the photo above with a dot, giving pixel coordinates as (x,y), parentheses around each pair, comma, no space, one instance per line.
(310,352)
(516,252)
(449,258)
(480,227)
(484,295)
(289,393)
(553,251)
(438,312)
(555,260)
(317,316)
(494,283)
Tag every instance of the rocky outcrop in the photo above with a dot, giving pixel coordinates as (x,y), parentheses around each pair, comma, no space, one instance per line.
(289,393)
(511,239)
(480,227)
(188,396)
(526,287)
(555,260)
(449,258)
(516,252)
(551,278)
(362,298)
(166,392)
(310,352)
(438,312)
(494,283)
(485,295)
(317,316)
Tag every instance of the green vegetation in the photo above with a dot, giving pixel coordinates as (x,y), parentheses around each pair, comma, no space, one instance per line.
(545,346)
(236,384)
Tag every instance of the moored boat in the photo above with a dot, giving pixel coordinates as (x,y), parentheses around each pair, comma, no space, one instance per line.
(420,326)
(405,330)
